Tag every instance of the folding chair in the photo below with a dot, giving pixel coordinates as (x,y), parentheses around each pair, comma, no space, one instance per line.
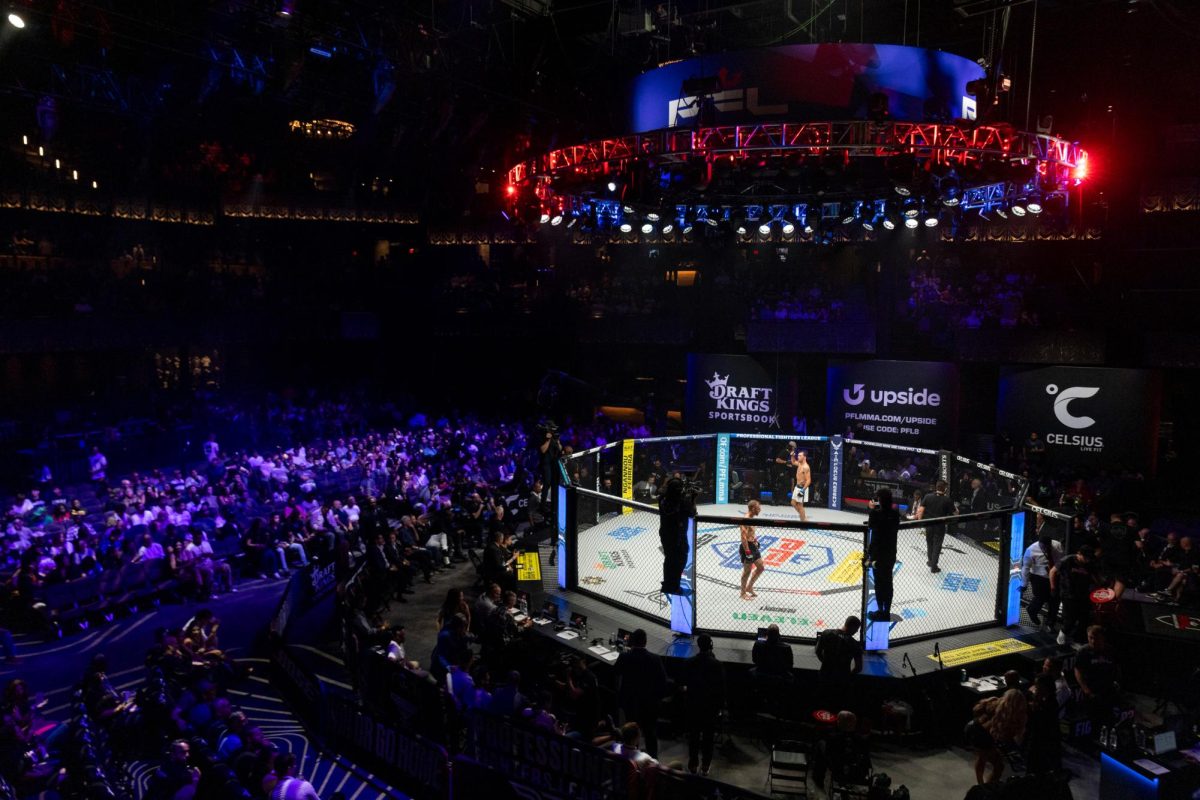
(788,772)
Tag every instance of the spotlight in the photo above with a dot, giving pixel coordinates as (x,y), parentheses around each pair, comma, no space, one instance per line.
(1018,209)
(652,217)
(1001,213)
(74,174)
(867,226)
(668,229)
(627,209)
(544,218)
(788,229)
(647,229)
(25,141)
(95,185)
(741,230)
(903,191)
(808,230)
(16,20)
(41,151)
(847,220)
(911,223)
(612,187)
(1034,208)
(911,213)
(510,190)
(951,202)
(764,229)
(626,227)
(931,222)
(571,224)
(556,220)
(891,226)
(710,222)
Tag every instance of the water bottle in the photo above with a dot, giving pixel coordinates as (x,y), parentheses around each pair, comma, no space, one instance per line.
(962,676)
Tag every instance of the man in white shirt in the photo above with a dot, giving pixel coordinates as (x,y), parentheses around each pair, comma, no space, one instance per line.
(212,450)
(149,551)
(98,466)
(1039,558)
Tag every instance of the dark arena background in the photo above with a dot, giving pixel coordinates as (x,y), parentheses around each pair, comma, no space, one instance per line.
(599,399)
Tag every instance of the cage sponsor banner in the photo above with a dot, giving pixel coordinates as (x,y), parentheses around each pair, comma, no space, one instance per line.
(553,766)
(979,652)
(1082,415)
(529,567)
(912,403)
(627,473)
(804,82)
(730,394)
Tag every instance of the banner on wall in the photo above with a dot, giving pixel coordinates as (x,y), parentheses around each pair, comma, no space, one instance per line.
(1082,415)
(911,403)
(731,394)
(804,82)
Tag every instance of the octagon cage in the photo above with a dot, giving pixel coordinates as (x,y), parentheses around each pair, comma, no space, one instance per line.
(959,573)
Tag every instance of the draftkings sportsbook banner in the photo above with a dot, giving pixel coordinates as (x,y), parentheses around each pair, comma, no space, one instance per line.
(901,402)
(1082,415)
(731,394)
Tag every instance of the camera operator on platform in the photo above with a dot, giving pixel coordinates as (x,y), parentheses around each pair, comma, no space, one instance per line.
(676,506)
(549,452)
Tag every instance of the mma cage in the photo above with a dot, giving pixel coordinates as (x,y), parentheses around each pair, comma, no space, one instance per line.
(608,544)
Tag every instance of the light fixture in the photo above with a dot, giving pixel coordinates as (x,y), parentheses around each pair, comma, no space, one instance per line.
(626,227)
(571,224)
(808,230)
(95,185)
(911,223)
(788,229)
(891,226)
(57,164)
(668,229)
(867,226)
(16,20)
(1034,208)
(544,218)
(687,229)
(710,222)
(951,202)
(627,209)
(41,151)
(653,217)
(764,229)
(74,174)
(1001,213)
(911,213)
(647,229)
(741,230)
(556,220)
(903,190)
(1018,209)
(612,187)
(931,222)
(25,140)
(847,220)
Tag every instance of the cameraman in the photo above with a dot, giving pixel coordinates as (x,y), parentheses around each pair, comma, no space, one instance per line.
(550,451)
(676,506)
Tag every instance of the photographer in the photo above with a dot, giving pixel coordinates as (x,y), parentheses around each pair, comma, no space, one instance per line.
(676,506)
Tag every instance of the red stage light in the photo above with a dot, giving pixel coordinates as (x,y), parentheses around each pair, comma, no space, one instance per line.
(510,190)
(1081,168)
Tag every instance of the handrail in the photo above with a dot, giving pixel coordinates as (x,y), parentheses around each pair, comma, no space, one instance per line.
(625,501)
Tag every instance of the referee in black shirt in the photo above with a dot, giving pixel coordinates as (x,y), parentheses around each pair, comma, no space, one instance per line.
(935,505)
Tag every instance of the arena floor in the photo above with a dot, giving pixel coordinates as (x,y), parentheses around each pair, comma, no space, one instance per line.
(812,581)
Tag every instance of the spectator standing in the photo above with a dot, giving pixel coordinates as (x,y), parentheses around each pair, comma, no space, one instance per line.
(841,659)
(642,686)
(704,699)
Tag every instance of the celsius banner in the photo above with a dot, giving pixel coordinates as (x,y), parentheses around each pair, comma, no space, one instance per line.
(912,403)
(1082,415)
(730,394)
(801,82)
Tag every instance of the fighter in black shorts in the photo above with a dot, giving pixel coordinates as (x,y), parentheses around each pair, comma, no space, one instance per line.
(751,557)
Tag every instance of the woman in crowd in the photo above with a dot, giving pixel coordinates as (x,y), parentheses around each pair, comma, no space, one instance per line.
(998,722)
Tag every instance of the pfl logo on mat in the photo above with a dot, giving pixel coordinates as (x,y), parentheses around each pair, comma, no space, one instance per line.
(782,556)
(626,532)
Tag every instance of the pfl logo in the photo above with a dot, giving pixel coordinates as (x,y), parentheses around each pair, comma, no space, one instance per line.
(785,556)
(1063,401)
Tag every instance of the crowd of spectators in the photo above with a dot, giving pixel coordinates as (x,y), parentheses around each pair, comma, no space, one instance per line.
(944,293)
